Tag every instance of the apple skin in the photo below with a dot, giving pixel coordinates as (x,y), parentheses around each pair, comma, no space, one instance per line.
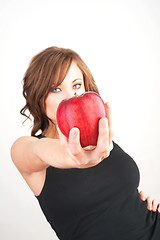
(83,112)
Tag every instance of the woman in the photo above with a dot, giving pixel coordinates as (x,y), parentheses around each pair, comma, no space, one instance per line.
(85,193)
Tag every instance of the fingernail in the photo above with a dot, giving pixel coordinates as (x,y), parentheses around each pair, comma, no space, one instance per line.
(74,132)
(104,122)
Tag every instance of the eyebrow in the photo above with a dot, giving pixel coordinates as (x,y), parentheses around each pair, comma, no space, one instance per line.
(72,81)
(76,80)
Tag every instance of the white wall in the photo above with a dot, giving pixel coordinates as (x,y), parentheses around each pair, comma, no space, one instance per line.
(120,42)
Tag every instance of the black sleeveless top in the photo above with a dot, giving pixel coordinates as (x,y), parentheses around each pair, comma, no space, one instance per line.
(98,203)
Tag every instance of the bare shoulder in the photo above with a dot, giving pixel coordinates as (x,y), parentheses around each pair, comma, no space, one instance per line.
(22,143)
(23,140)
(23,156)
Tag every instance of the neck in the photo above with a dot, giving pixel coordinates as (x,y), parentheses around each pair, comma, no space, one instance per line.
(51,132)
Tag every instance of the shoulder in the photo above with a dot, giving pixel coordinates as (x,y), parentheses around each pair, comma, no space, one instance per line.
(23,156)
(20,143)
(24,139)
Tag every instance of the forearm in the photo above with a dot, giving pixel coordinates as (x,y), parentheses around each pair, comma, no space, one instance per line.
(53,153)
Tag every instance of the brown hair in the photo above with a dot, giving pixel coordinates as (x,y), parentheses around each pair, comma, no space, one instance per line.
(46,71)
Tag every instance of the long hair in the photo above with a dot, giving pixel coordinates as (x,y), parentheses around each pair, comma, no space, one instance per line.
(46,71)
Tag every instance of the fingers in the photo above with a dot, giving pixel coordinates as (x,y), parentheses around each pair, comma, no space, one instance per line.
(74,142)
(75,146)
(110,121)
(102,149)
(155,205)
(149,203)
(142,195)
(152,204)
(106,133)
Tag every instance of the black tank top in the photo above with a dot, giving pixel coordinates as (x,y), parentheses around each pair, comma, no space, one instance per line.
(98,203)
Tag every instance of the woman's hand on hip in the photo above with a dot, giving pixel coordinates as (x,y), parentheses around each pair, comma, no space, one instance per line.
(152,204)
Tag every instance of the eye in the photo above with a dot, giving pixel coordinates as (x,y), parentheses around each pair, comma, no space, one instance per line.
(56,90)
(77,86)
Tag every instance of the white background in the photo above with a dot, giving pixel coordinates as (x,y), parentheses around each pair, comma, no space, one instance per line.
(120,42)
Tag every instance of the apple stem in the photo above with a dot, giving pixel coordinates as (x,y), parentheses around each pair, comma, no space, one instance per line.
(75,94)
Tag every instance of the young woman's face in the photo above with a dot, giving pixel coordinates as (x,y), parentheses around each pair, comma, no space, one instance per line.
(72,83)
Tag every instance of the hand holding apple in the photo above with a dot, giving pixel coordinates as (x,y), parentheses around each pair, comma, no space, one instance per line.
(84,113)
(82,158)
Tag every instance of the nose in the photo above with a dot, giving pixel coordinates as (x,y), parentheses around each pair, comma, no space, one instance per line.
(69,93)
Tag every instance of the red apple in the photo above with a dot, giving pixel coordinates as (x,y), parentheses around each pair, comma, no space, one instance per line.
(83,112)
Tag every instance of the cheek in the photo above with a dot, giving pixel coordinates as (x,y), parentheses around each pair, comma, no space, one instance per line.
(51,108)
